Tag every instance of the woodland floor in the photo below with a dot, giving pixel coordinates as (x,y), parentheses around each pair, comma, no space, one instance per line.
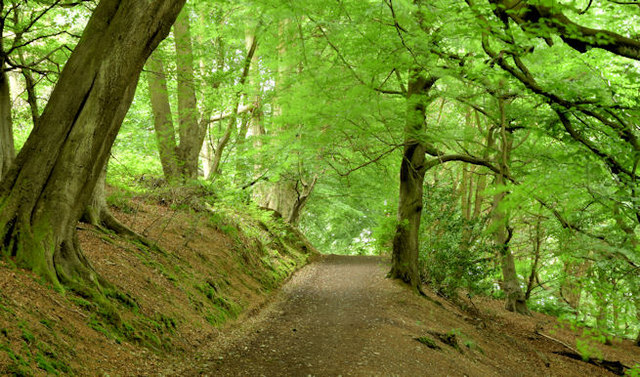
(341,317)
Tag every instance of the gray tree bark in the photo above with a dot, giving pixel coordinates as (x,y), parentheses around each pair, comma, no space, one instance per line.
(162,118)
(191,132)
(7,150)
(57,169)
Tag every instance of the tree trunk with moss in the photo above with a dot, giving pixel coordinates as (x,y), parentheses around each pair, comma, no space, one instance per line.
(412,171)
(56,171)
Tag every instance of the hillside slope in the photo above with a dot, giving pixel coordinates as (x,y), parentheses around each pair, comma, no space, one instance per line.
(211,266)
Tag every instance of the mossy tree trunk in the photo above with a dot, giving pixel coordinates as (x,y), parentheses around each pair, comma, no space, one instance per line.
(412,171)
(56,171)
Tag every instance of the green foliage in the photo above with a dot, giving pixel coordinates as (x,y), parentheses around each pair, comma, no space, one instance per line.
(448,261)
(634,371)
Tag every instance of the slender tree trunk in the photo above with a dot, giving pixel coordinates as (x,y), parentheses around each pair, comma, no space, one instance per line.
(162,118)
(30,84)
(243,172)
(537,244)
(481,185)
(191,131)
(57,169)
(412,171)
(515,300)
(465,188)
(571,287)
(32,95)
(242,167)
(638,318)
(252,44)
(7,150)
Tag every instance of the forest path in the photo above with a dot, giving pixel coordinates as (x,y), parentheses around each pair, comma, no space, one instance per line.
(337,316)
(340,316)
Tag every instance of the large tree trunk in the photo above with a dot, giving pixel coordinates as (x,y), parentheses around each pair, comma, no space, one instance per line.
(57,169)
(162,118)
(412,171)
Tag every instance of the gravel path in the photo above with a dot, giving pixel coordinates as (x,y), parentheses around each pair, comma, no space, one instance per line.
(331,320)
(340,316)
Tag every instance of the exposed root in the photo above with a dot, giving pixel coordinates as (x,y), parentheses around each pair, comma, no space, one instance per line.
(615,367)
(104,221)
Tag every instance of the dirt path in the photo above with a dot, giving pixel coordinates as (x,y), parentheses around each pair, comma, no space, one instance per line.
(341,317)
(329,321)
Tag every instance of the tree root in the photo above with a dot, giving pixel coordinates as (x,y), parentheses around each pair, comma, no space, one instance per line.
(615,367)
(104,221)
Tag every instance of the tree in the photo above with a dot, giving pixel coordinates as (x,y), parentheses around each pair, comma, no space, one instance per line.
(516,300)
(51,182)
(412,170)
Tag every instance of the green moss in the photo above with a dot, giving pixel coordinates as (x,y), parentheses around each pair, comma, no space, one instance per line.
(123,298)
(470,344)
(427,341)
(98,325)
(48,361)
(84,304)
(47,323)
(26,334)
(18,370)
